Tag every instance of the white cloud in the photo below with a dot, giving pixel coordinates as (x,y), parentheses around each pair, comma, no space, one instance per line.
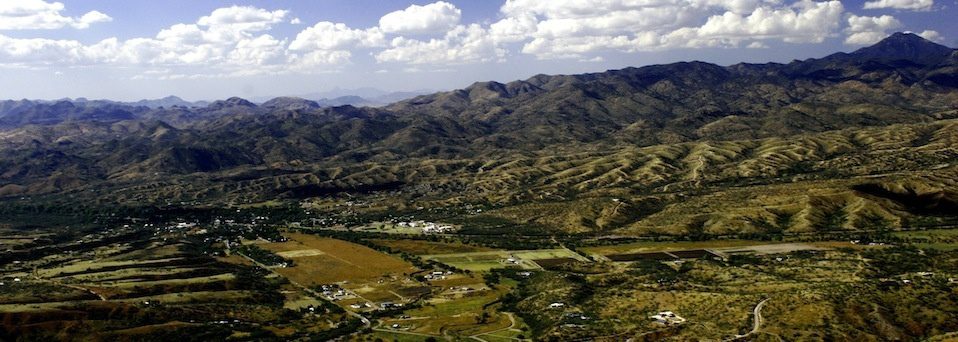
(262,50)
(932,35)
(236,40)
(571,28)
(864,30)
(329,44)
(332,36)
(42,15)
(803,22)
(89,18)
(514,29)
(461,45)
(436,17)
(229,39)
(914,5)
(243,18)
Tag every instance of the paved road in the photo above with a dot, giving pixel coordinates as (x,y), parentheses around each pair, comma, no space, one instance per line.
(757,312)
(756,321)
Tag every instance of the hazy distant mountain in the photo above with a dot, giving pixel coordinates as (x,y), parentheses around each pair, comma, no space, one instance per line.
(358,97)
(167,102)
(365,92)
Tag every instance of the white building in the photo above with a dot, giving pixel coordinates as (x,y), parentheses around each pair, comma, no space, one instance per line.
(667,318)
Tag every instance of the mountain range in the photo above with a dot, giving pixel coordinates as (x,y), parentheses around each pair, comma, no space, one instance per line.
(288,146)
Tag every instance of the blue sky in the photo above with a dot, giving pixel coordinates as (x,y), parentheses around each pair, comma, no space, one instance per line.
(135,49)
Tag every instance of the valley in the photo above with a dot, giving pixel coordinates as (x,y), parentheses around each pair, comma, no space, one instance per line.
(164,279)
(814,200)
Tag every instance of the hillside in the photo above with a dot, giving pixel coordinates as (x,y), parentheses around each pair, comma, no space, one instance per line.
(862,136)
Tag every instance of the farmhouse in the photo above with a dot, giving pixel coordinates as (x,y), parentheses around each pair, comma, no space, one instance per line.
(360,305)
(667,318)
(389,305)
(430,228)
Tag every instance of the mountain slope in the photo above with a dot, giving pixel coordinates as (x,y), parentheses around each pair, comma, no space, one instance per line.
(693,123)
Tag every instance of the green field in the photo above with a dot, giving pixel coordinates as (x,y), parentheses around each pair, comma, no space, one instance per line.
(928,234)
(939,239)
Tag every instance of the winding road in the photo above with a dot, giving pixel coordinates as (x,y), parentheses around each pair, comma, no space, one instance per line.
(757,312)
(756,321)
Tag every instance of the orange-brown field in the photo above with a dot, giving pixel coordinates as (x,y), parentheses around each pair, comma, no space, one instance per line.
(320,260)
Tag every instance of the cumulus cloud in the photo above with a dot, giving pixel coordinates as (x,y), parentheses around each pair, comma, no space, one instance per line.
(246,18)
(514,29)
(864,30)
(236,40)
(332,36)
(42,15)
(932,35)
(913,5)
(229,37)
(461,45)
(437,17)
(803,22)
(328,44)
(570,29)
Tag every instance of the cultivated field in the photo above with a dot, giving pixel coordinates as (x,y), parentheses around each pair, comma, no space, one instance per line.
(459,311)
(320,260)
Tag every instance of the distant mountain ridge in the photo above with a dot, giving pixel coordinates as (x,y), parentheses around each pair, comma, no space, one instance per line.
(14,113)
(902,79)
(358,97)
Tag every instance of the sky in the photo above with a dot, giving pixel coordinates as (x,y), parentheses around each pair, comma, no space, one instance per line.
(204,50)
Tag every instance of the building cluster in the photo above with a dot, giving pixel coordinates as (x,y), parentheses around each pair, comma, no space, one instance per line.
(334,292)
(427,227)
(438,275)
